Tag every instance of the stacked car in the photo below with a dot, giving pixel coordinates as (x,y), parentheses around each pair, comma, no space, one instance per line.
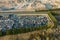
(14,21)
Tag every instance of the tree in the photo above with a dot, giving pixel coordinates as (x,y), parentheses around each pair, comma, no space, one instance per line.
(0,33)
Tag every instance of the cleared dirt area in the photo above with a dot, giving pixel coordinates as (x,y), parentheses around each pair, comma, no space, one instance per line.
(23,36)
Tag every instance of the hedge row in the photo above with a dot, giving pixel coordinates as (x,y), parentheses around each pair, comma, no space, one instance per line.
(55,13)
(46,10)
(53,19)
(22,30)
